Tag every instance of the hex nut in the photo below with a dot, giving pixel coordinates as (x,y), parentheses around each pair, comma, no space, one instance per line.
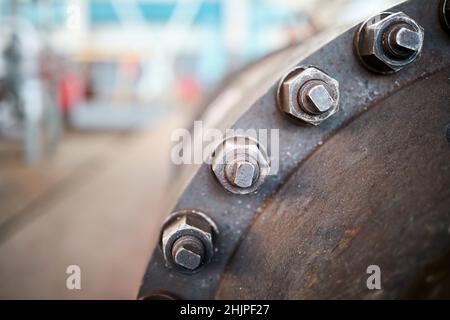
(187,240)
(308,94)
(240,164)
(388,42)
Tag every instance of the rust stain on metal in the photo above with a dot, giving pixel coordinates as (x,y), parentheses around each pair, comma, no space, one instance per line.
(348,237)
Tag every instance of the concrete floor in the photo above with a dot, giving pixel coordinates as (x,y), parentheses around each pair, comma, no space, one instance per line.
(98,204)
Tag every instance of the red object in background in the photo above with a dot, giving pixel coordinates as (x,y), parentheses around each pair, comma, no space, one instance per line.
(55,71)
(188,88)
(69,91)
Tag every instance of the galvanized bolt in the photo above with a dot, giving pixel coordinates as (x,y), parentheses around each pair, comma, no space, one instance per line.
(315,98)
(445,14)
(308,94)
(320,99)
(403,41)
(388,42)
(187,240)
(188,252)
(244,174)
(240,164)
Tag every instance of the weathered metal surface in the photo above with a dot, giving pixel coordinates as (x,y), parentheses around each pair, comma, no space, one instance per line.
(392,165)
(376,193)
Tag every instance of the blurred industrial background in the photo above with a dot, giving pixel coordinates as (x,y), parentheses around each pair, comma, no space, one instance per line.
(90,91)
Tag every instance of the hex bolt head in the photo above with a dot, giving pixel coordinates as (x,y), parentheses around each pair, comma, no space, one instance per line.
(240,164)
(308,94)
(187,240)
(445,14)
(388,42)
